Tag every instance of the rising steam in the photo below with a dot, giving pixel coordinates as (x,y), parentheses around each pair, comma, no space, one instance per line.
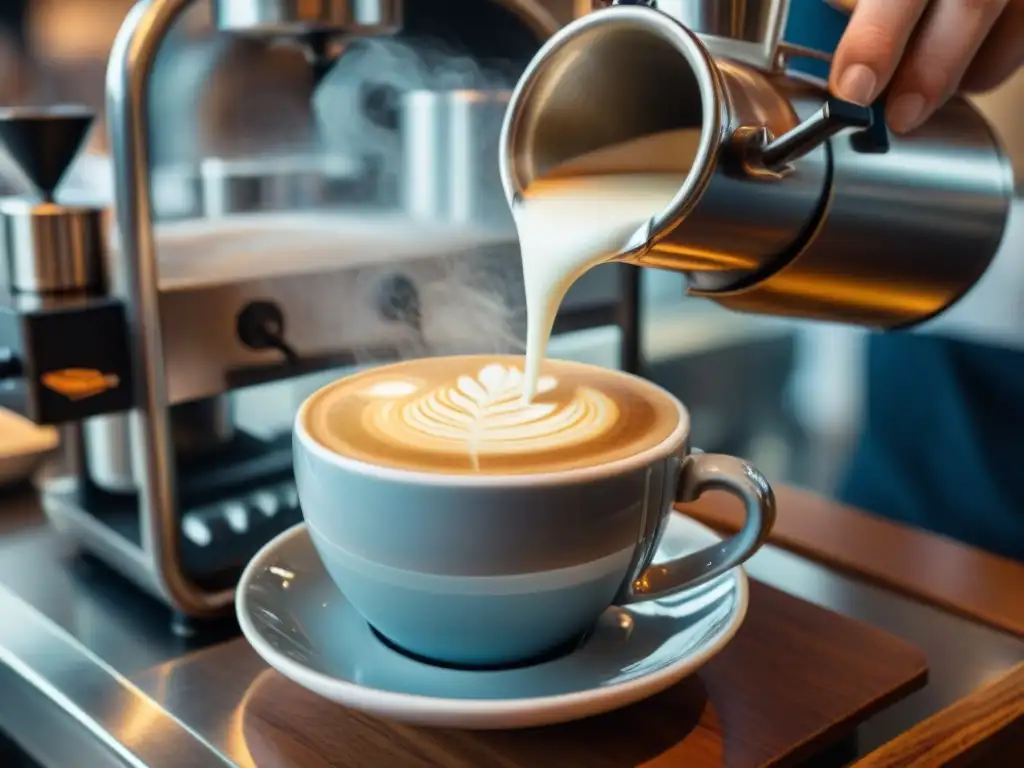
(357,104)
(471,304)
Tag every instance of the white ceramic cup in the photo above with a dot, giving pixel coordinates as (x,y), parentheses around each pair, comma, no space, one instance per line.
(490,570)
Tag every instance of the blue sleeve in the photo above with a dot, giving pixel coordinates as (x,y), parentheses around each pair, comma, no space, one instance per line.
(12,16)
(814,24)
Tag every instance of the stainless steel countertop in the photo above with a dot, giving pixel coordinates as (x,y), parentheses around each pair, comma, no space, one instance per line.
(91,671)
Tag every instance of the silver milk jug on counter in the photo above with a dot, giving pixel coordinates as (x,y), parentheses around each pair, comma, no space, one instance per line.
(790,202)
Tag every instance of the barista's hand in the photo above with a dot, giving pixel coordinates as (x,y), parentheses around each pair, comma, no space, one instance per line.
(928,50)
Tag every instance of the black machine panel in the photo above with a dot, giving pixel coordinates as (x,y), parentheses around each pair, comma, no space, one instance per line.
(64,359)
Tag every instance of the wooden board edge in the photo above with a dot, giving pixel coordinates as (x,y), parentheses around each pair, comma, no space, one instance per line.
(985,726)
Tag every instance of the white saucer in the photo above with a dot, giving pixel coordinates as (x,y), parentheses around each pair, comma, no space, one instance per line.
(302,626)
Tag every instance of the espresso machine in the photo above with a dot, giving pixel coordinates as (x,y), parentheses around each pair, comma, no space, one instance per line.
(791,202)
(140,334)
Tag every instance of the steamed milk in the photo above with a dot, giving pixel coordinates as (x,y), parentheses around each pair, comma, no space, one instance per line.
(583,213)
(566,228)
(480,414)
(466,415)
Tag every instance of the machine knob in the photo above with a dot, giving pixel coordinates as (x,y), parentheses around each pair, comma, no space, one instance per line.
(399,300)
(10,365)
(260,326)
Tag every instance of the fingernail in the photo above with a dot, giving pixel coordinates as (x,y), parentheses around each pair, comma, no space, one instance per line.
(857,85)
(905,112)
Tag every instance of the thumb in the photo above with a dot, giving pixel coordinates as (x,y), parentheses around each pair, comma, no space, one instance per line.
(872,46)
(846,6)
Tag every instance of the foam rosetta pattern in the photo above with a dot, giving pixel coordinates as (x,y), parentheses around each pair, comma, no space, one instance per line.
(485,414)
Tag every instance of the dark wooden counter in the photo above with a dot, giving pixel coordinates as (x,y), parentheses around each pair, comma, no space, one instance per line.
(104,619)
(796,680)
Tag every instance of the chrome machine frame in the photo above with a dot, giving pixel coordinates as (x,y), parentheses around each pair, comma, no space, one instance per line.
(152,565)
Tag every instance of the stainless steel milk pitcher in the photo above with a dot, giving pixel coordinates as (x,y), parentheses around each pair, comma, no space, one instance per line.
(790,202)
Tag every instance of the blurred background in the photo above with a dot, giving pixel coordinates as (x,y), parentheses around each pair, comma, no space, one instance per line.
(240,127)
(785,395)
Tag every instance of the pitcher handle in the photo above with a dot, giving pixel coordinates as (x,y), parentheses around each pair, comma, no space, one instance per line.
(873,139)
(703,472)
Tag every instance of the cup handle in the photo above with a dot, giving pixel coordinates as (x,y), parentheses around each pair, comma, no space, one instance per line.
(702,472)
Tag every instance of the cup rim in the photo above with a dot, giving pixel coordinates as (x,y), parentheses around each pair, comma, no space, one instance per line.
(676,438)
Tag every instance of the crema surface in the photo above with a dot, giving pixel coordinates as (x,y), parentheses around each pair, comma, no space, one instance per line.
(467,415)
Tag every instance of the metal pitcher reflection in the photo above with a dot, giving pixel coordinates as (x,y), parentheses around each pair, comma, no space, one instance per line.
(790,202)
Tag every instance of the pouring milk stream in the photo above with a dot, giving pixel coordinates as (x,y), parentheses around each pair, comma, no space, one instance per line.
(639,135)
(582,214)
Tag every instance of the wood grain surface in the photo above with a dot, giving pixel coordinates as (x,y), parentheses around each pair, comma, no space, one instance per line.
(795,680)
(930,568)
(983,729)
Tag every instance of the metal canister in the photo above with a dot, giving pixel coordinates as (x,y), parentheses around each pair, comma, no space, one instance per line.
(449,152)
(51,248)
(112,446)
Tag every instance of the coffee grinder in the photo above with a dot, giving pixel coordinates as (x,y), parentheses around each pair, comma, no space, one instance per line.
(161,487)
(53,280)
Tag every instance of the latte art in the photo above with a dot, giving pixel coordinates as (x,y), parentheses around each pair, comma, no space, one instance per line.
(486,413)
(468,415)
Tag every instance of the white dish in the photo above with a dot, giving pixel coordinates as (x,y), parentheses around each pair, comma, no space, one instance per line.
(23,447)
(301,625)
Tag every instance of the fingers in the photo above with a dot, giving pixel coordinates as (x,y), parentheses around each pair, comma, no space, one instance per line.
(926,50)
(947,40)
(872,46)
